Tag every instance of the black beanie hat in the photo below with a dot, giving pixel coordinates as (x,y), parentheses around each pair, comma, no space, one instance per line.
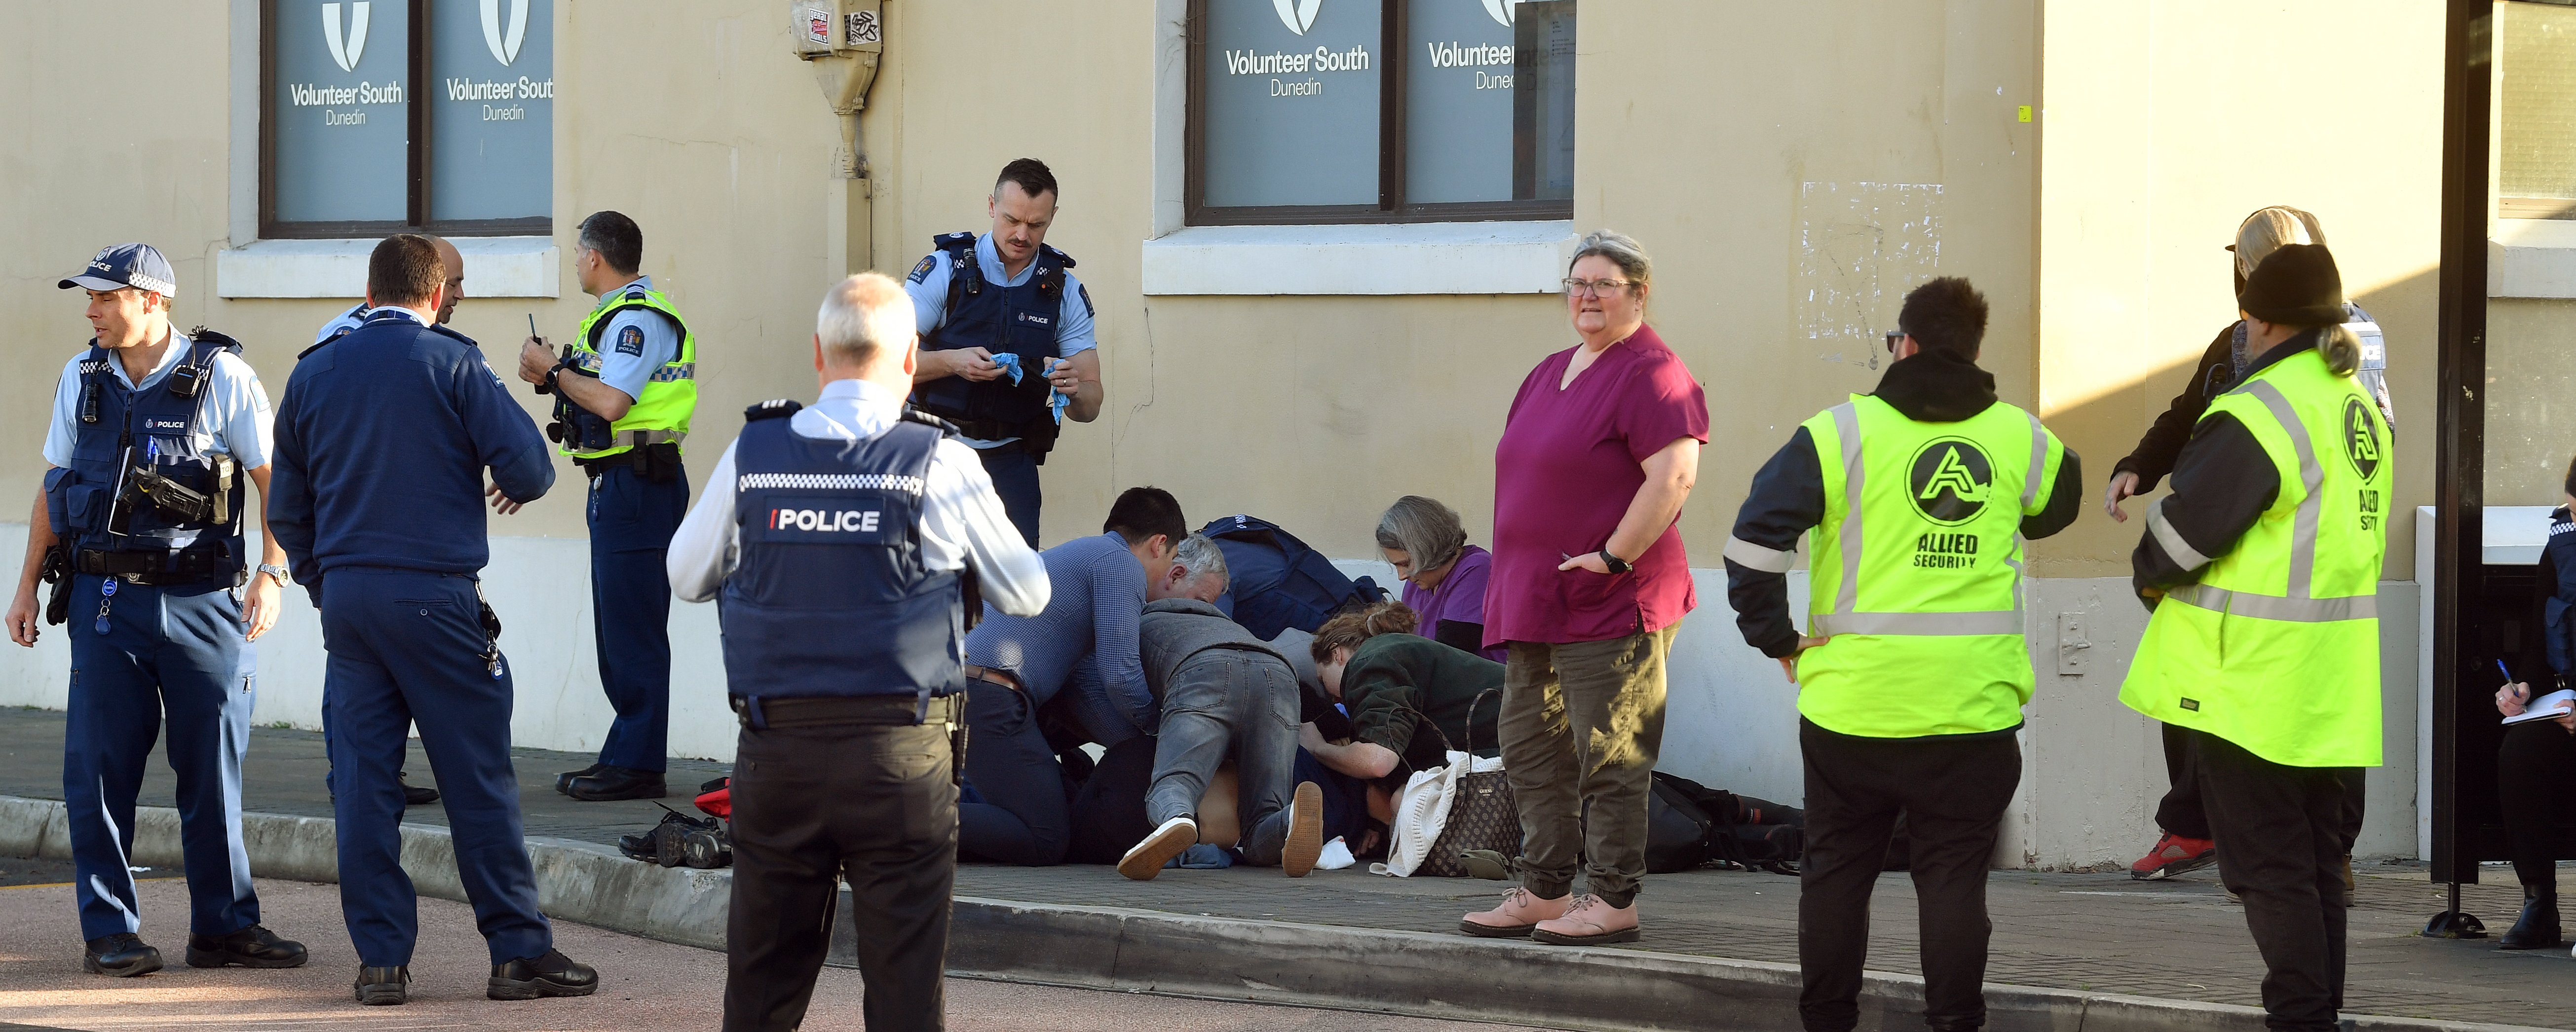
(2295,286)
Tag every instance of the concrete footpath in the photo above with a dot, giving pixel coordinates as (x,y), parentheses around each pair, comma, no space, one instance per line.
(2094,952)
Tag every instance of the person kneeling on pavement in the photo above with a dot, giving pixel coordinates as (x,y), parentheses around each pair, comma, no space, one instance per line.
(1412,700)
(1221,688)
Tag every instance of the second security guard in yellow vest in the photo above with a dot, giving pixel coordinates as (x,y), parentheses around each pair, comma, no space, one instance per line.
(2262,568)
(1915,499)
(624,395)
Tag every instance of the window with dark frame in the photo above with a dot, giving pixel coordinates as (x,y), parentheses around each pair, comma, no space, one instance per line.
(389,116)
(2536,102)
(1300,112)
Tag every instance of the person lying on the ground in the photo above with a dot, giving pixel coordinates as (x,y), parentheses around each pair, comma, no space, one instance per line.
(1222,690)
(1391,679)
(1012,808)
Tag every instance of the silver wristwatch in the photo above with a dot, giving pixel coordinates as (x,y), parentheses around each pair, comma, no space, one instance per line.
(279,572)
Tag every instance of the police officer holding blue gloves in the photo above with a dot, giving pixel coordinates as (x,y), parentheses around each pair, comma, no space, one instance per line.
(842,538)
(623,397)
(1006,343)
(382,439)
(140,526)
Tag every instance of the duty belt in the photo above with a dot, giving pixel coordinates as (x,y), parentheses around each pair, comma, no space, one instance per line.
(643,446)
(186,566)
(847,711)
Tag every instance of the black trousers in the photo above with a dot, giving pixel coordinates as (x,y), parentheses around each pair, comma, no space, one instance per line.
(2534,766)
(873,803)
(2282,835)
(1952,792)
(2180,811)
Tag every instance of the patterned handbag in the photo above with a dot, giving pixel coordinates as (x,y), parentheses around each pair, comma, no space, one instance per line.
(1482,812)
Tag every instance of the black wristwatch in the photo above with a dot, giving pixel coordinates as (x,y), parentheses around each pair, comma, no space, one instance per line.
(1616,564)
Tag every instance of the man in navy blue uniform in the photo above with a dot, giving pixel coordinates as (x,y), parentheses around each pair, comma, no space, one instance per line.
(1006,344)
(153,434)
(382,440)
(842,538)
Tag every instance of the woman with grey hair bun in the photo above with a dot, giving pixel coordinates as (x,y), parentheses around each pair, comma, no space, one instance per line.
(1588,583)
(1444,576)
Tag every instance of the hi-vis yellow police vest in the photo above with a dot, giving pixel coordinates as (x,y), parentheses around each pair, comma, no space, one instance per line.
(2277,648)
(1915,572)
(670,397)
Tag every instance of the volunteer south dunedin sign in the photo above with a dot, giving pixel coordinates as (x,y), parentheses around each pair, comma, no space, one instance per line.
(1282,65)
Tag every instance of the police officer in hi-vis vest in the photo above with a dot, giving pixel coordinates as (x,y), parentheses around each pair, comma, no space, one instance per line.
(1007,351)
(843,538)
(624,393)
(2262,569)
(154,433)
(1912,671)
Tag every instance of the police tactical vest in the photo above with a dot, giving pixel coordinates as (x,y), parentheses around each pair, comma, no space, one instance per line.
(119,429)
(670,397)
(2277,648)
(1915,570)
(1022,320)
(829,595)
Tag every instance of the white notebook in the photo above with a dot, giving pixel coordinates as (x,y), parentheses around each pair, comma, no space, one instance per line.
(2547,707)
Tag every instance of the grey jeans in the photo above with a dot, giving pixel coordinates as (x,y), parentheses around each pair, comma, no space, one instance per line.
(1221,700)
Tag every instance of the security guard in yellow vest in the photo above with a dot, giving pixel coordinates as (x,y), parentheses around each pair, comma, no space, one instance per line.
(623,394)
(2262,569)
(1912,671)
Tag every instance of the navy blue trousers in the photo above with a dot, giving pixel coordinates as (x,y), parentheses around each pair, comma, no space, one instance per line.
(1015,479)
(631,523)
(407,647)
(173,650)
(1021,813)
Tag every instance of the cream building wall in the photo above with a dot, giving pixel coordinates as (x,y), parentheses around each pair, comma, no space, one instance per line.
(1794,169)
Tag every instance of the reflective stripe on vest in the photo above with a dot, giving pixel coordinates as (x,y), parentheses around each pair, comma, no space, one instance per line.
(670,395)
(1922,545)
(2276,649)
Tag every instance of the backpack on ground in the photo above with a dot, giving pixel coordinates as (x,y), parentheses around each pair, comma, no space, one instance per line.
(1689,825)
(1277,582)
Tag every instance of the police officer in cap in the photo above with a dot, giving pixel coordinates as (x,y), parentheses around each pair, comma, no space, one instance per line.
(842,538)
(2270,546)
(338,327)
(1006,344)
(154,433)
(382,442)
(623,397)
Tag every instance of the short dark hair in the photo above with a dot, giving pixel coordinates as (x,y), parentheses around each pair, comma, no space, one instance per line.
(405,270)
(1945,315)
(1031,175)
(616,238)
(1142,512)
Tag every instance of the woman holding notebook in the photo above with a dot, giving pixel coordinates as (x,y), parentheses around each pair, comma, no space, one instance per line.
(2539,755)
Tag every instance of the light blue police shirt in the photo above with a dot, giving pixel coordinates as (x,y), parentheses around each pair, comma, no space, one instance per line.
(636,344)
(928,286)
(234,419)
(343,323)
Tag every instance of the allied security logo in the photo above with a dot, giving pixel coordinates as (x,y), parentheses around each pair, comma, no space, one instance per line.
(1298,15)
(2361,438)
(1950,479)
(505,48)
(345,50)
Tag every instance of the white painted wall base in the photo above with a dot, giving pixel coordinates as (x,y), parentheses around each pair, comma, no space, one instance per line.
(2092,773)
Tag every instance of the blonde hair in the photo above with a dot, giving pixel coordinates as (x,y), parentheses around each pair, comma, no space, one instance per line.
(2341,349)
(861,315)
(2268,229)
(1349,629)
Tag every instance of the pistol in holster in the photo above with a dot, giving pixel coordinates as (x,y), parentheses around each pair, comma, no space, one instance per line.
(57,571)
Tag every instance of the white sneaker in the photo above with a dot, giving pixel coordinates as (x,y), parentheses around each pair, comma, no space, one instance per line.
(1305,830)
(1146,859)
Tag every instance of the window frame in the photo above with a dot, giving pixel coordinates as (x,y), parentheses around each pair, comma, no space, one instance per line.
(416,84)
(1391,207)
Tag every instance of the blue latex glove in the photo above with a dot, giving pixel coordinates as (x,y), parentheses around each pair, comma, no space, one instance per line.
(1010,363)
(1057,401)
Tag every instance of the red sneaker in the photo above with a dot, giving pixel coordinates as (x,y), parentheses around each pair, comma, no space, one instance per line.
(2174,855)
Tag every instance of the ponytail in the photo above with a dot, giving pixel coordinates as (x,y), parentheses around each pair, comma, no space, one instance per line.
(2341,349)
(1351,627)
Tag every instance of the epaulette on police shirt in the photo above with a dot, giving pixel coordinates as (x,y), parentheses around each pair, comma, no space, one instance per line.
(220,341)
(775,408)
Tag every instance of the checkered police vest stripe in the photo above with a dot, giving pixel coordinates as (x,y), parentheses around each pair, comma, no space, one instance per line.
(829,482)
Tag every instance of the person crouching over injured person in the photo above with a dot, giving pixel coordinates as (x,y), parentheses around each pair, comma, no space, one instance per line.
(1411,700)
(1221,688)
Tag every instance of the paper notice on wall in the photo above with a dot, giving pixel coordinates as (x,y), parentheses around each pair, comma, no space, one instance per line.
(1861,246)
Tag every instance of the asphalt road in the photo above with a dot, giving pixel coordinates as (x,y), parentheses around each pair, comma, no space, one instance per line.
(646,985)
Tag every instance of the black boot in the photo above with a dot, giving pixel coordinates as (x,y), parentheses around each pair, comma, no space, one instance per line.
(553,974)
(122,955)
(2537,929)
(252,947)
